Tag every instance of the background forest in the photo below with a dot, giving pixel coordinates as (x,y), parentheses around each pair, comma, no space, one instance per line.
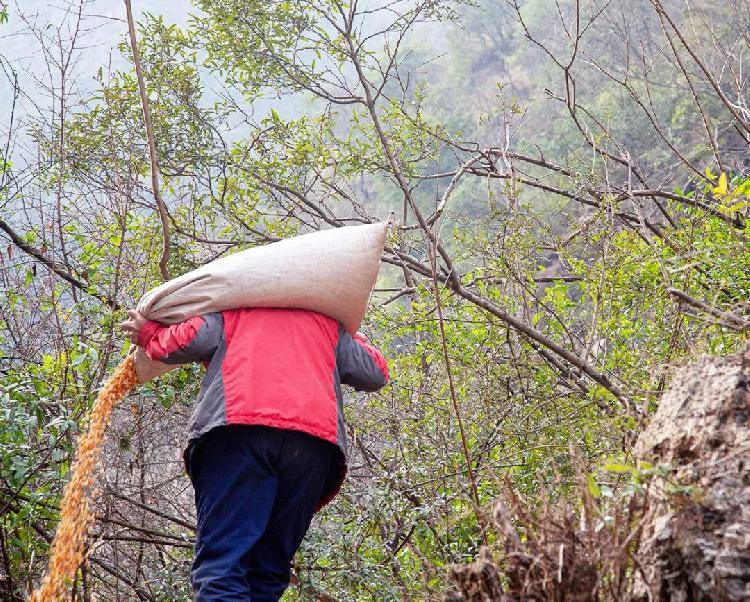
(569,182)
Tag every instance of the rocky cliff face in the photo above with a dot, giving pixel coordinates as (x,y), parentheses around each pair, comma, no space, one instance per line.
(686,538)
(696,538)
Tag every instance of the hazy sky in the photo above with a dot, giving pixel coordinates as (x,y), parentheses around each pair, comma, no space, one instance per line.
(103,26)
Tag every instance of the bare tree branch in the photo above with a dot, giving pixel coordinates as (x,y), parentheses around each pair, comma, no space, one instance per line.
(164,260)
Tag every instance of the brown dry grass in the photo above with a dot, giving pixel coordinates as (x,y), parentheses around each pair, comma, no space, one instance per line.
(68,547)
(577,550)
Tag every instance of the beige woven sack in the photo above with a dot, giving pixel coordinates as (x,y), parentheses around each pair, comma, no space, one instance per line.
(331,272)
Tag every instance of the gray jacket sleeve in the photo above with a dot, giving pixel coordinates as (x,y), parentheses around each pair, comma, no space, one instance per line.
(360,364)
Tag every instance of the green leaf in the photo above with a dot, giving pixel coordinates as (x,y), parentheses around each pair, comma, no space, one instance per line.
(738,206)
(743,188)
(616,467)
(594,488)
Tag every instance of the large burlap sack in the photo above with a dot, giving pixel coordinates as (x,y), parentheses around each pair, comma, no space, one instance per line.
(331,272)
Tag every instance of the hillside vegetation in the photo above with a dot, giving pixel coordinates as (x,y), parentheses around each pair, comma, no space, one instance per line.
(569,184)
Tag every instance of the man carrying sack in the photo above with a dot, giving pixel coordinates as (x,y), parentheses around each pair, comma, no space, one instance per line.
(266,440)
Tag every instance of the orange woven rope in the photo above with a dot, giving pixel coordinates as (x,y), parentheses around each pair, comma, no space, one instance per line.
(68,547)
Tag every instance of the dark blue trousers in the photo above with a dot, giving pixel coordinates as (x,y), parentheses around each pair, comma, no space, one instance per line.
(256,489)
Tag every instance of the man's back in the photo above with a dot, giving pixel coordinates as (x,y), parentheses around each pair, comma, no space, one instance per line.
(281,368)
(267,440)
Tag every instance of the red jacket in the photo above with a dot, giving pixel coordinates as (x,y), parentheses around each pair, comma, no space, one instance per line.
(281,368)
